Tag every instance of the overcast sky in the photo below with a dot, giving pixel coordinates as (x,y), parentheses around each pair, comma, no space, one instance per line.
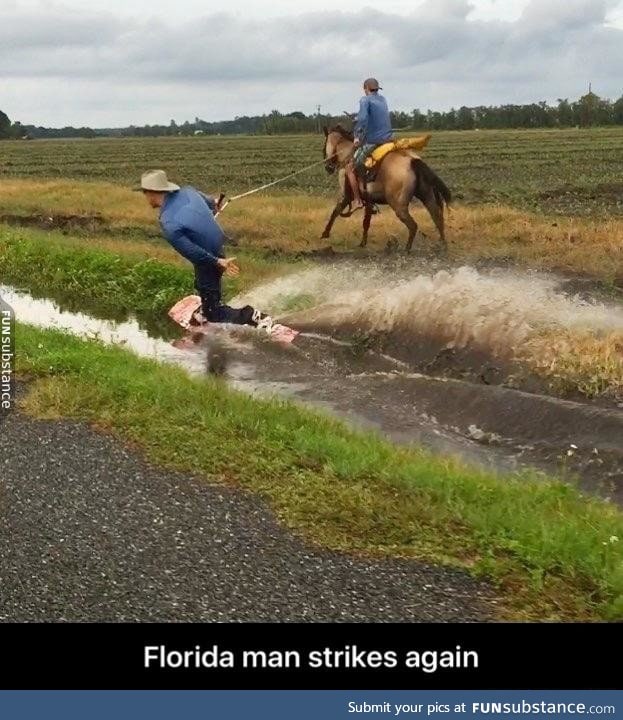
(110,63)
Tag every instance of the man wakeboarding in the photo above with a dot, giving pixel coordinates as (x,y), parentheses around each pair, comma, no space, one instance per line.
(188,223)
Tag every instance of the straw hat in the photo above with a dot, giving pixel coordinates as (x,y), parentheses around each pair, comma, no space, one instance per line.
(156,181)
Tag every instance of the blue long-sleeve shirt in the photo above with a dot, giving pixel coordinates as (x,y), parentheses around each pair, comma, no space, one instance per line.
(373,124)
(188,223)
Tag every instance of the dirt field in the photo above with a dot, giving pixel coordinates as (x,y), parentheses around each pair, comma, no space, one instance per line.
(551,171)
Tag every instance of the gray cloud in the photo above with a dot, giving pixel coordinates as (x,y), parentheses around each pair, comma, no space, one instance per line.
(39,32)
(434,57)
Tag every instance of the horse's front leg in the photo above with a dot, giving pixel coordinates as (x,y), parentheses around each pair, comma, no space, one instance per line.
(341,204)
(367,219)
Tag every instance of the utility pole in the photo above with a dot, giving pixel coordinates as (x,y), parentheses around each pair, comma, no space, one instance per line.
(590,108)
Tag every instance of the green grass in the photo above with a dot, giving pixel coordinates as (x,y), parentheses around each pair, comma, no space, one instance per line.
(563,171)
(553,553)
(59,266)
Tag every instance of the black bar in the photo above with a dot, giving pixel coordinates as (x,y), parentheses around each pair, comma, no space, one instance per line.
(511,656)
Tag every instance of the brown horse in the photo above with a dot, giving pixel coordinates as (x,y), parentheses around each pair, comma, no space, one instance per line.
(400,177)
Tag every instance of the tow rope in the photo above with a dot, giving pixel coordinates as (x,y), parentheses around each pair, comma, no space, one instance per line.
(270,184)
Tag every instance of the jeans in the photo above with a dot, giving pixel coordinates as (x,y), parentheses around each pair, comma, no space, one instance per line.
(361,153)
(208,285)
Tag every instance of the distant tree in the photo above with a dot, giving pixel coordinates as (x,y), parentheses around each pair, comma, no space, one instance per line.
(418,119)
(565,113)
(585,109)
(588,110)
(435,120)
(604,112)
(449,120)
(18,130)
(401,120)
(5,125)
(271,123)
(465,118)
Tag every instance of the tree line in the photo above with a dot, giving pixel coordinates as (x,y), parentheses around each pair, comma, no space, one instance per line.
(589,110)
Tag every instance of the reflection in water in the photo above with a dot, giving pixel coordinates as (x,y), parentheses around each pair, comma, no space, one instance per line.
(127,332)
(155,326)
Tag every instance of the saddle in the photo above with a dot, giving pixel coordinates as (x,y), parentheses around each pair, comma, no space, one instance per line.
(374,159)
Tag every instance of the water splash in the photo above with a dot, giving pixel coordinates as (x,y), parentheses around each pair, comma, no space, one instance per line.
(495,310)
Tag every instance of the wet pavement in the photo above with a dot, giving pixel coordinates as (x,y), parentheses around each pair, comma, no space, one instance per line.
(91,532)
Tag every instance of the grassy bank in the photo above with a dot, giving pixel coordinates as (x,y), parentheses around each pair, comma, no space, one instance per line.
(553,553)
(141,276)
(293,224)
(586,363)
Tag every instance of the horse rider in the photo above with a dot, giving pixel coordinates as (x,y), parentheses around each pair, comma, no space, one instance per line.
(187,219)
(372,128)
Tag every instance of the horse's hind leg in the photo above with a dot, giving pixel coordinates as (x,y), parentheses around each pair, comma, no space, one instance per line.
(402,213)
(367,218)
(334,215)
(436,212)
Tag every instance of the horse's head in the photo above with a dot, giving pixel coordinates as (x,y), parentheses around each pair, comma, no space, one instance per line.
(337,148)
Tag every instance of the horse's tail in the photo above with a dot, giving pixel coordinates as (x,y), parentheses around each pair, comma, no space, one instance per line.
(426,179)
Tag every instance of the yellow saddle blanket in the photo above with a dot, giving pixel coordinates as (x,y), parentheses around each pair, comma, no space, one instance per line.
(413,143)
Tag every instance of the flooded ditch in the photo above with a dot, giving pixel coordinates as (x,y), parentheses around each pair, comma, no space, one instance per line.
(398,392)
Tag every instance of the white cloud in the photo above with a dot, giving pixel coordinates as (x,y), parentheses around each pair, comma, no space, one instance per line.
(95,67)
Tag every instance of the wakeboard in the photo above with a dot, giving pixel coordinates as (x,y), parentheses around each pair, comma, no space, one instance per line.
(187,313)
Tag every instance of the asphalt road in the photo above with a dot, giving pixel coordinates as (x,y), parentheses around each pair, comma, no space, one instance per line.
(91,532)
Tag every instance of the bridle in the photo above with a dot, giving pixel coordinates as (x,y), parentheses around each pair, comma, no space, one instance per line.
(332,162)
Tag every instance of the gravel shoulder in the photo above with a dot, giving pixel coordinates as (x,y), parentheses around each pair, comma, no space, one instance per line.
(91,532)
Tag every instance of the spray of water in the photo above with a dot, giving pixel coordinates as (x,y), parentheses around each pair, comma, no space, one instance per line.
(495,310)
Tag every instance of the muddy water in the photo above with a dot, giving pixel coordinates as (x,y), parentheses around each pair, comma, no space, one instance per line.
(485,425)
(426,314)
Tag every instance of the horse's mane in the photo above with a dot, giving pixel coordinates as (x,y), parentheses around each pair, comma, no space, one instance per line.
(346,134)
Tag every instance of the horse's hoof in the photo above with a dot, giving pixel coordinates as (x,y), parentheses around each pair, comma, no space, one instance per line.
(325,236)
